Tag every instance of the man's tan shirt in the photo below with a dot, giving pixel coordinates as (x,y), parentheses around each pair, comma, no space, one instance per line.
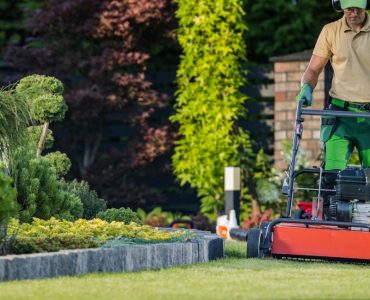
(349,53)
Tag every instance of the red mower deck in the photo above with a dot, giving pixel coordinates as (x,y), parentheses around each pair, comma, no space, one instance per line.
(320,241)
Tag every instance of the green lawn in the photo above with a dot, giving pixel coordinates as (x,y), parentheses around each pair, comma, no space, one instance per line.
(231,278)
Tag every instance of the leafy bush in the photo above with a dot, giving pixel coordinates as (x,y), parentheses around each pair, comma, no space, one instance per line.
(54,235)
(92,204)
(209,102)
(125,215)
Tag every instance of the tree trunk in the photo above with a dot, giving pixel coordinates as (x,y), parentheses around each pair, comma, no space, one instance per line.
(90,151)
(40,145)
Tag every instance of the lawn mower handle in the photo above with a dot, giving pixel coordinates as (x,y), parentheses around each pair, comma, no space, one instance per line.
(298,134)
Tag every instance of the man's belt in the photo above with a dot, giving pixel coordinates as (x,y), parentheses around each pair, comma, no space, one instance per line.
(346,104)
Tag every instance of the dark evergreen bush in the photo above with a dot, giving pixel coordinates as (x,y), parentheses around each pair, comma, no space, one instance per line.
(125,215)
(91,202)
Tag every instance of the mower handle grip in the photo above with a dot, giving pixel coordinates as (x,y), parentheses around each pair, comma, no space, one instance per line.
(332,113)
(335,113)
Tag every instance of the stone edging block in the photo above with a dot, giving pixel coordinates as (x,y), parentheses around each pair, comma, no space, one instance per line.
(126,258)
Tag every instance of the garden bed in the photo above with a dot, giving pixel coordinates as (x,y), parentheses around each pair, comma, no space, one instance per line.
(125,258)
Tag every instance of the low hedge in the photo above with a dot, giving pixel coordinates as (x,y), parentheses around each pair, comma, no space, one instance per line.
(53,235)
(125,215)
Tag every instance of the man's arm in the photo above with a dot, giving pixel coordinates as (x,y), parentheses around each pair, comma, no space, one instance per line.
(314,68)
(309,79)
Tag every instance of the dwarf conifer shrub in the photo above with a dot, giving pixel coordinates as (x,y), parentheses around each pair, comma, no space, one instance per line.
(92,204)
(125,215)
(59,161)
(37,178)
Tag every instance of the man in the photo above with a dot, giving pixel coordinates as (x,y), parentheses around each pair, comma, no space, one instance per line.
(346,43)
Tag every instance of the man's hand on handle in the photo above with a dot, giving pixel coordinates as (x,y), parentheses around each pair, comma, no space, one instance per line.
(305,95)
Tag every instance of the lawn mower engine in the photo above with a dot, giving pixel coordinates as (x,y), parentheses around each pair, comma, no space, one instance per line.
(351,203)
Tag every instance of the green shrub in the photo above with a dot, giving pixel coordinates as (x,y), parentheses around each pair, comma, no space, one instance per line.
(209,103)
(14,118)
(125,215)
(60,162)
(36,177)
(8,197)
(40,193)
(92,204)
(35,85)
(54,235)
(50,244)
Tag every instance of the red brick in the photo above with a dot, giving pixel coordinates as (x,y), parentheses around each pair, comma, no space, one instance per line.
(284,126)
(280,67)
(316,134)
(280,96)
(280,116)
(303,66)
(318,95)
(281,106)
(291,96)
(280,77)
(290,115)
(311,124)
(307,134)
(280,165)
(280,135)
(294,76)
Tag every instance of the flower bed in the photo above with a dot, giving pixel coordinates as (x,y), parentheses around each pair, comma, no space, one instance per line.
(54,235)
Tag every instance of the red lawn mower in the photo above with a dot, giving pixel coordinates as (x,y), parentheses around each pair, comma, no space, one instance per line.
(342,233)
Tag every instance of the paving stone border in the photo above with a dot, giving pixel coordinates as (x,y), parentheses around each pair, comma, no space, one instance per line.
(127,258)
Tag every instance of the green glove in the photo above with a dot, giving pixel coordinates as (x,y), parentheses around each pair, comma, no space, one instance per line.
(305,95)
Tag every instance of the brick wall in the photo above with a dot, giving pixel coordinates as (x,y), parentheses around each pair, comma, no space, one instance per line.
(288,71)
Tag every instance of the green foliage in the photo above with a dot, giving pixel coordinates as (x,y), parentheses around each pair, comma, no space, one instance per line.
(304,180)
(209,102)
(120,241)
(92,204)
(14,118)
(8,197)
(40,194)
(54,235)
(59,161)
(264,175)
(159,218)
(34,133)
(280,27)
(35,85)
(49,108)
(24,245)
(125,215)
(44,95)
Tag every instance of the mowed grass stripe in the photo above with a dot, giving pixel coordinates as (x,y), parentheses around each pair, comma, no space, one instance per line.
(232,278)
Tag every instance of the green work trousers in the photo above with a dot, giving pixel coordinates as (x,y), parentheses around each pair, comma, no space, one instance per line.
(340,136)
